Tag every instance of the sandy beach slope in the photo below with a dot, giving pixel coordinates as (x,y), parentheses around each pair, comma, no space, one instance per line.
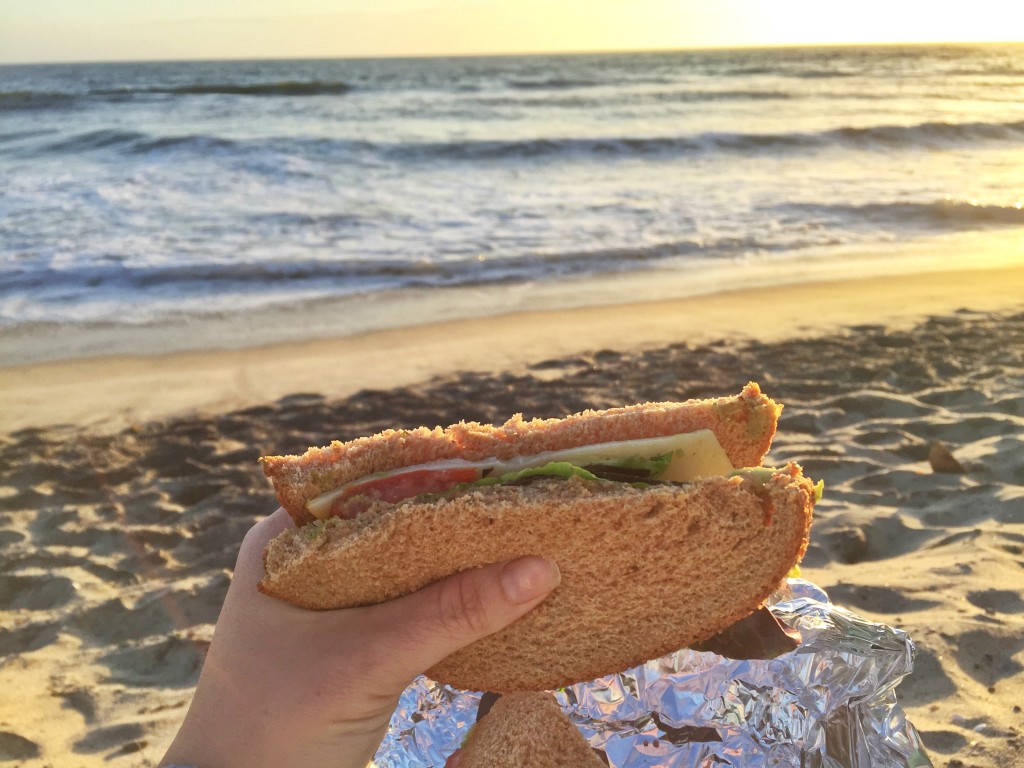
(109,393)
(118,529)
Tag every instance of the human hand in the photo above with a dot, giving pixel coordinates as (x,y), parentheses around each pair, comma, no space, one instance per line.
(283,686)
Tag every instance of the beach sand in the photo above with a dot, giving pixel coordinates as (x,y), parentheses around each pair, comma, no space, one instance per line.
(126,484)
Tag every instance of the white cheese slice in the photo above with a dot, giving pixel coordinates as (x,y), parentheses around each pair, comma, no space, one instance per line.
(694,454)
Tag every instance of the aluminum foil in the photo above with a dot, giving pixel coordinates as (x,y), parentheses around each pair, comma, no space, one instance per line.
(829,703)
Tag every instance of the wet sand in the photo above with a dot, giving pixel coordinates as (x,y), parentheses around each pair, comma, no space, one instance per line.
(118,530)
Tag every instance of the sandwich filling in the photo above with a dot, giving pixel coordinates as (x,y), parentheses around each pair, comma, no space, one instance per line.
(675,458)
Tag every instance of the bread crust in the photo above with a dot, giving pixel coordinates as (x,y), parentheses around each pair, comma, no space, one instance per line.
(744,425)
(667,566)
(527,730)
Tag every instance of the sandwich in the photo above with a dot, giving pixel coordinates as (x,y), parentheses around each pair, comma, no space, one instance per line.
(525,729)
(665,528)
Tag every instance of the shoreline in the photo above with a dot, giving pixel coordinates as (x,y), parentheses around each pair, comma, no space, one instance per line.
(111,392)
(332,317)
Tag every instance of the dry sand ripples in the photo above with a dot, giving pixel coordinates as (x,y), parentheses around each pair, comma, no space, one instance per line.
(115,551)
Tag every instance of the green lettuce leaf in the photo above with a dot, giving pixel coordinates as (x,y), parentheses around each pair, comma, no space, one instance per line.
(552,469)
(656,465)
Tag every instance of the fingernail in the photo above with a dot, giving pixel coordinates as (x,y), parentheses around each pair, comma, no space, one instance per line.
(528,578)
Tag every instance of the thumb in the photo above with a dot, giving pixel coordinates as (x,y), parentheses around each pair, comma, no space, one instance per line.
(428,625)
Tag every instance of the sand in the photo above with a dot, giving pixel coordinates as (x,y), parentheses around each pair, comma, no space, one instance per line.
(118,529)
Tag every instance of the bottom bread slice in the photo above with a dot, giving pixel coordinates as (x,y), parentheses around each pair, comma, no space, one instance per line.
(645,571)
(527,730)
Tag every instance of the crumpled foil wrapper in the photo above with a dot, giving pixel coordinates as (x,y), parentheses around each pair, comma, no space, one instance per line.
(829,703)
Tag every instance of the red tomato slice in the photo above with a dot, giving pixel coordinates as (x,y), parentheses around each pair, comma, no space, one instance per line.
(358,497)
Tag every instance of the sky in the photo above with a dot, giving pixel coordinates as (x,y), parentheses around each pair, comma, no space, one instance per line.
(119,30)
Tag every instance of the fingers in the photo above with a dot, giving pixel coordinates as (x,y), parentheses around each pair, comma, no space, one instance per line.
(426,626)
(249,566)
(269,527)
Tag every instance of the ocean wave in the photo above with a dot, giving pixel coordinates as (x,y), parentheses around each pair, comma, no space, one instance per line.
(552,83)
(729,95)
(929,133)
(40,100)
(208,277)
(93,140)
(602,100)
(19,135)
(498,149)
(144,145)
(93,281)
(293,220)
(11,101)
(138,143)
(818,74)
(883,137)
(135,142)
(280,88)
(786,71)
(940,214)
(995,71)
(746,71)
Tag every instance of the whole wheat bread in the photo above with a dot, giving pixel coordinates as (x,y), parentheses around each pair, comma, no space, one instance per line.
(527,730)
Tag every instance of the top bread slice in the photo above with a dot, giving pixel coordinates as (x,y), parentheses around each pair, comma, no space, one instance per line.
(527,730)
(743,424)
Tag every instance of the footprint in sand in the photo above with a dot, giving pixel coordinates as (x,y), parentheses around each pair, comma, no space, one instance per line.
(928,683)
(27,638)
(173,662)
(107,738)
(886,536)
(189,493)
(1011,543)
(174,459)
(877,599)
(10,537)
(987,656)
(14,747)
(874,404)
(157,613)
(35,593)
(149,508)
(944,742)
(78,700)
(998,600)
(114,622)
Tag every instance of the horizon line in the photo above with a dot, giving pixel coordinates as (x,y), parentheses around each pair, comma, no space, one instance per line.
(510,54)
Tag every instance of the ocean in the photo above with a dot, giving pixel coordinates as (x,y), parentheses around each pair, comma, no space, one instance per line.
(160,195)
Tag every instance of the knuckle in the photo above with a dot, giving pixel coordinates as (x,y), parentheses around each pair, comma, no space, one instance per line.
(461,608)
